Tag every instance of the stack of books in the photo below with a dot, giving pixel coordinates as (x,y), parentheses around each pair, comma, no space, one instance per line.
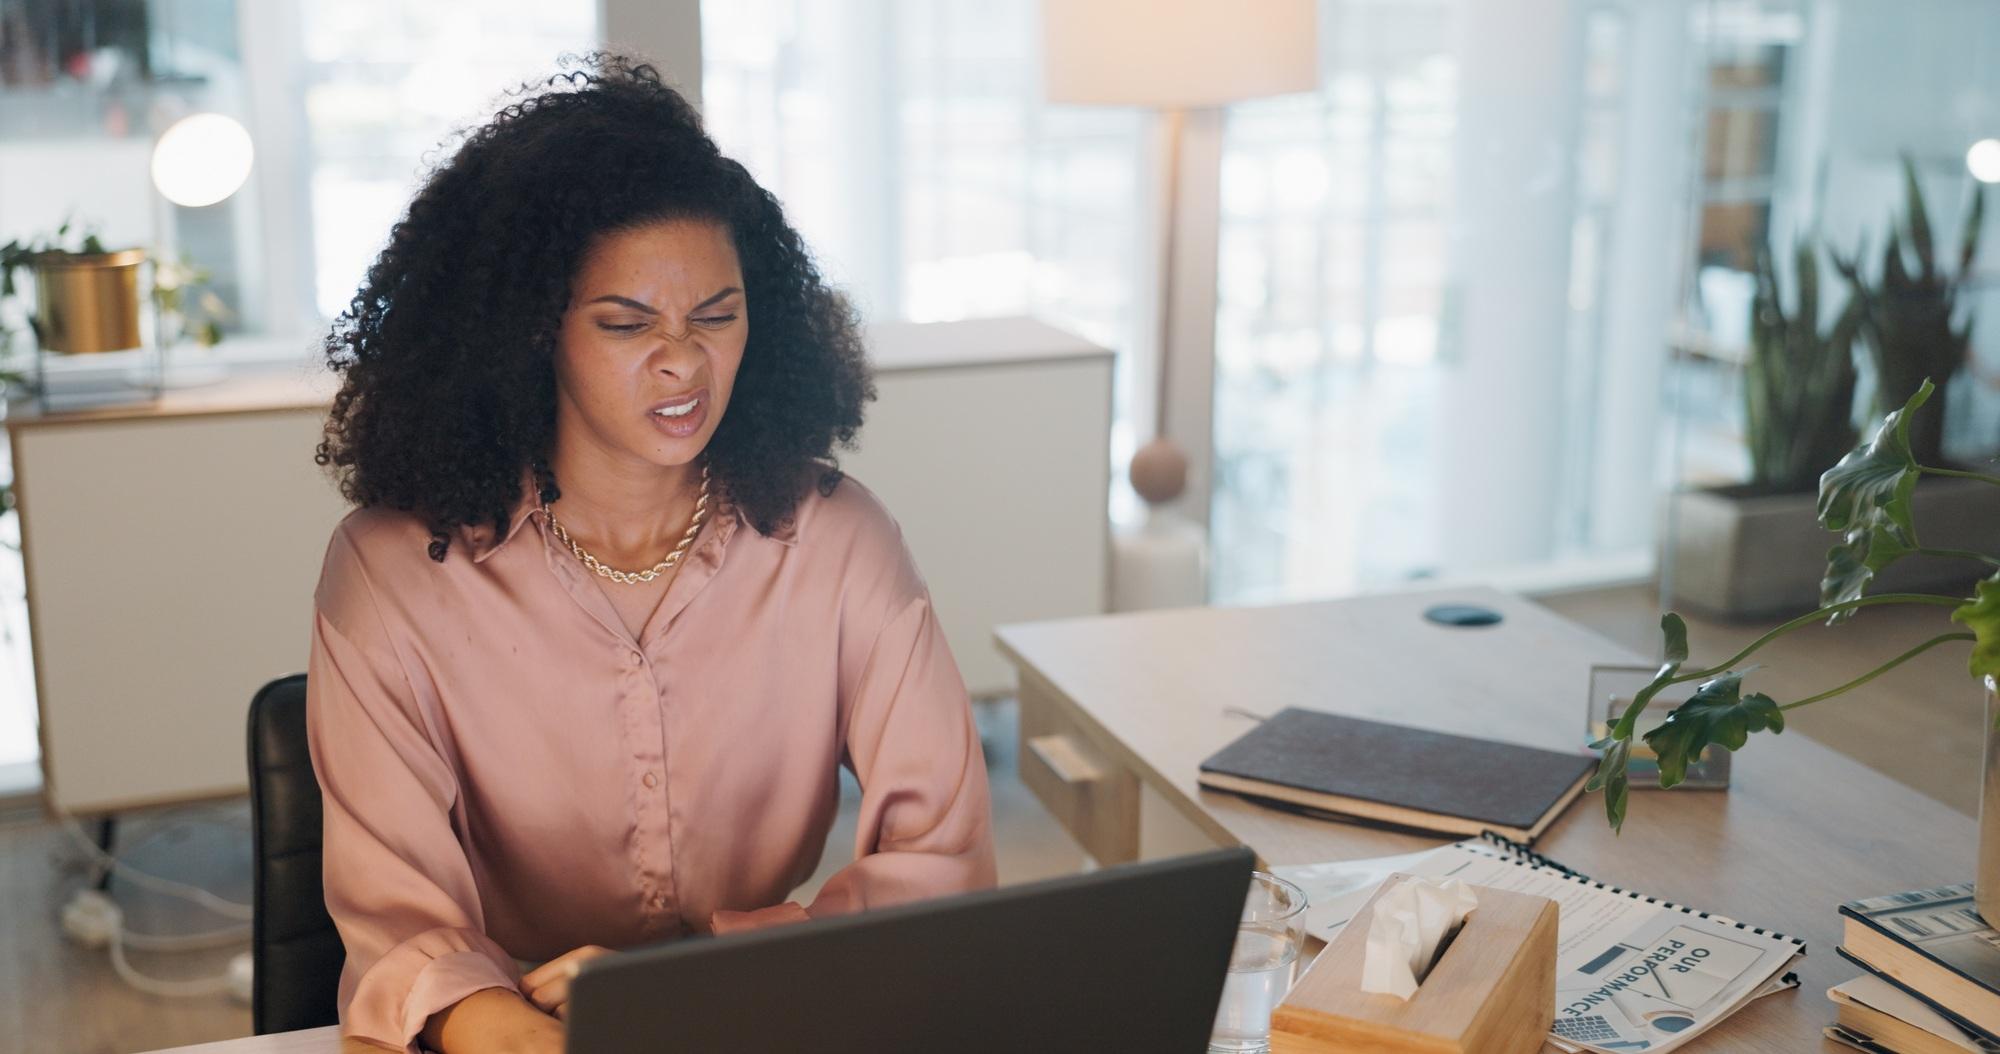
(1933,975)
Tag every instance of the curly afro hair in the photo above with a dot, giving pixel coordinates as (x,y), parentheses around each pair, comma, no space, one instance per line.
(447,351)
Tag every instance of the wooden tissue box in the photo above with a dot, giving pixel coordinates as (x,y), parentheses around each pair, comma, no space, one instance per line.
(1493,991)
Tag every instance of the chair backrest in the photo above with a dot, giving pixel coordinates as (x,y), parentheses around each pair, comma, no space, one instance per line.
(297,951)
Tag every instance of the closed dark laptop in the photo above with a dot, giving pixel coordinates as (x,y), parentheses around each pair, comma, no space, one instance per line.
(1128,958)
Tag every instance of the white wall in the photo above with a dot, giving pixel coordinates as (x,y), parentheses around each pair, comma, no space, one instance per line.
(668,32)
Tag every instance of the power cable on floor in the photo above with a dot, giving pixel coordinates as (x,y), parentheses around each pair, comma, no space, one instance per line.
(93,919)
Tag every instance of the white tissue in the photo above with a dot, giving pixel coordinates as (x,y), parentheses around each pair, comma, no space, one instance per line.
(1411,917)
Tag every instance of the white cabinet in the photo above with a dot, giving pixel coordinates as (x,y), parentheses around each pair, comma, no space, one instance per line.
(171,553)
(172,548)
(991,444)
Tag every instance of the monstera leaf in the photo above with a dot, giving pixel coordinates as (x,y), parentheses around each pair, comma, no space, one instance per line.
(1718,712)
(1611,777)
(1854,563)
(1982,615)
(1873,484)
(1674,643)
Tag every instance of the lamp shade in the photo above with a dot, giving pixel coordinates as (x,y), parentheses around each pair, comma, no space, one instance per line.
(201,160)
(1177,54)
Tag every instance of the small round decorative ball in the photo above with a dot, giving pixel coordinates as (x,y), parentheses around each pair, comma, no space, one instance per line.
(1159,471)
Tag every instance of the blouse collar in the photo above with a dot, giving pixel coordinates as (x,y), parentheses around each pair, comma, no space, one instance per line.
(480,541)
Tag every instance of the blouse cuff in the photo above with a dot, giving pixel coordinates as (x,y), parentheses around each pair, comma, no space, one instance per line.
(421,976)
(725,921)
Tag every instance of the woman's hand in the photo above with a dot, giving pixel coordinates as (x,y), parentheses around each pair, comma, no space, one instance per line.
(547,985)
(723,921)
(490,1021)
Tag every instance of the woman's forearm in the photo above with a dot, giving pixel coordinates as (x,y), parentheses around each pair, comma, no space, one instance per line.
(493,1019)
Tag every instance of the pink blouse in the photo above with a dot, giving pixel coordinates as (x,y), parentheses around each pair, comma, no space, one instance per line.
(508,774)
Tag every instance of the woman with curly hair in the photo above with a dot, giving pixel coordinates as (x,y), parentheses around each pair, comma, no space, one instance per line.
(607,622)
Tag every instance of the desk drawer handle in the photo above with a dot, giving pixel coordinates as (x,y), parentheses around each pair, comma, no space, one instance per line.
(1071,763)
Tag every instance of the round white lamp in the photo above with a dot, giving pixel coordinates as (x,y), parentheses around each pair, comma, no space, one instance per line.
(1983,160)
(201,160)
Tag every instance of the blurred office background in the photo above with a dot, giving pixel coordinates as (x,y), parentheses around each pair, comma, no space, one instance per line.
(1481,298)
(1589,169)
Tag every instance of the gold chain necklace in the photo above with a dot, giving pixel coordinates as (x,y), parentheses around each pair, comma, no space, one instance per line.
(632,578)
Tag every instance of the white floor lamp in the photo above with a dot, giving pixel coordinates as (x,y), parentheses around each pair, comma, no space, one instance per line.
(1174,57)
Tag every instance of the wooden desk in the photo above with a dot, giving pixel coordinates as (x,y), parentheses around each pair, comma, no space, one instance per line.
(1117,713)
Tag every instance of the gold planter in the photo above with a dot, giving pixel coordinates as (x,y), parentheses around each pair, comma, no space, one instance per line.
(88,302)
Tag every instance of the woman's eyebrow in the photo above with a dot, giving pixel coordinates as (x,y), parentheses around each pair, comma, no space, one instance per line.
(725,292)
(613,298)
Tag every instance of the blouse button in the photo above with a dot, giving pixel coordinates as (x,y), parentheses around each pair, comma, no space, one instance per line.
(650,780)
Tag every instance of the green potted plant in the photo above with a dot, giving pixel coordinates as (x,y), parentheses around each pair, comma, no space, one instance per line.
(1798,389)
(1750,550)
(1866,500)
(1731,542)
(87,300)
(1912,321)
(86,297)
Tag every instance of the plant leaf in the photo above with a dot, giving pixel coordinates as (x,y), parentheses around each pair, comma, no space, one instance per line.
(1622,728)
(1805,271)
(1874,482)
(1982,615)
(1919,219)
(1975,218)
(1675,629)
(1611,778)
(1854,563)
(1895,275)
(1716,713)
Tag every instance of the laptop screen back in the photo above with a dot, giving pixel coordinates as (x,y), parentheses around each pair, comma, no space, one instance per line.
(1128,958)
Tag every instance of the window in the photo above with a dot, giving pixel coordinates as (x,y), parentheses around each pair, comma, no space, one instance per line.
(1746,53)
(911,146)
(85,85)
(1335,227)
(385,83)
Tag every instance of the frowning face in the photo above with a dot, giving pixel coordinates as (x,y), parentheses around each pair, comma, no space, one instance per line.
(650,343)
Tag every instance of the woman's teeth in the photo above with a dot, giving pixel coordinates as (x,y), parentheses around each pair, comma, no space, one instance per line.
(682,410)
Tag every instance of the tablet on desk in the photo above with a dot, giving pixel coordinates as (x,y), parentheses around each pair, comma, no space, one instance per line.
(1128,958)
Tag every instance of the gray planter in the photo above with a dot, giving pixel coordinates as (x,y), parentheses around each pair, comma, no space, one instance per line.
(1738,555)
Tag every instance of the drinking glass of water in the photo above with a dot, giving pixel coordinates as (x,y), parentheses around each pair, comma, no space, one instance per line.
(1260,967)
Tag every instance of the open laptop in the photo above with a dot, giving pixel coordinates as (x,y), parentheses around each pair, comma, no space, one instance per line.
(1127,958)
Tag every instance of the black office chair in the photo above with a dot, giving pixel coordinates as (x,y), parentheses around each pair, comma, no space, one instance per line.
(297,952)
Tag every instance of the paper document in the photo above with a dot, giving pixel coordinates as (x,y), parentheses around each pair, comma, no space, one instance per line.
(1631,973)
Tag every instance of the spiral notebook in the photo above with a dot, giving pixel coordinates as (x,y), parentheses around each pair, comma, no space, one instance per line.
(1633,971)
(1520,853)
